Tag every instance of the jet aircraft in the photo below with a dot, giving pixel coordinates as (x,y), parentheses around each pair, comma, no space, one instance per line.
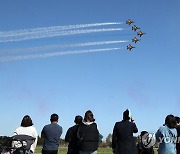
(129,22)
(130,47)
(134,28)
(135,40)
(140,33)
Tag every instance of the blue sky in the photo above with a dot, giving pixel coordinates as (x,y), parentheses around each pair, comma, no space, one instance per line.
(145,80)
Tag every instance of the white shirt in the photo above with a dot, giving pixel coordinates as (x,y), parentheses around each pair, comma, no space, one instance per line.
(31,131)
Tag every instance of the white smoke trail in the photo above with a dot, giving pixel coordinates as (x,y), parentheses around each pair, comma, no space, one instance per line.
(46,55)
(53,28)
(52,47)
(56,33)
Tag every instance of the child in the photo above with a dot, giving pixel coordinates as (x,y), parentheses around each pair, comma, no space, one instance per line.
(146,142)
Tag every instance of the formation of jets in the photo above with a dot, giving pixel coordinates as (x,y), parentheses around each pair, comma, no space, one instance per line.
(134,28)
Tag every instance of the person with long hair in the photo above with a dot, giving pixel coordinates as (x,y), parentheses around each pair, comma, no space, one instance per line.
(88,134)
(166,136)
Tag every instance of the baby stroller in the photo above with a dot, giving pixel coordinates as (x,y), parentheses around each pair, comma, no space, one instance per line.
(146,141)
(18,144)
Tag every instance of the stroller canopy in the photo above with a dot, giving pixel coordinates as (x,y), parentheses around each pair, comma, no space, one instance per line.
(25,140)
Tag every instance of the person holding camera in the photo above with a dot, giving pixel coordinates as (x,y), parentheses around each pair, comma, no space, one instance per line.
(122,139)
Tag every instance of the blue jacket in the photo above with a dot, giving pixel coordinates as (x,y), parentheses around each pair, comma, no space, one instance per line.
(167,140)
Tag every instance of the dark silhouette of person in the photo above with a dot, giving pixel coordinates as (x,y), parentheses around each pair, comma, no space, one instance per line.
(71,136)
(178,135)
(122,139)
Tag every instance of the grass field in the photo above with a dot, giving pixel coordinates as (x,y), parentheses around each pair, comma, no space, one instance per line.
(63,150)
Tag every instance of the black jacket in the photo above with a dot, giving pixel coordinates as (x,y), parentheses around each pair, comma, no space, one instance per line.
(178,131)
(178,140)
(122,140)
(71,137)
(90,137)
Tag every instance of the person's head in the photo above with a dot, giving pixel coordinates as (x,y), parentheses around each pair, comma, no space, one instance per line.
(126,115)
(78,120)
(177,120)
(54,118)
(170,121)
(89,117)
(143,133)
(26,121)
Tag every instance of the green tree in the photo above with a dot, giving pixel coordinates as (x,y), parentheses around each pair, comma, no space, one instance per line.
(109,140)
